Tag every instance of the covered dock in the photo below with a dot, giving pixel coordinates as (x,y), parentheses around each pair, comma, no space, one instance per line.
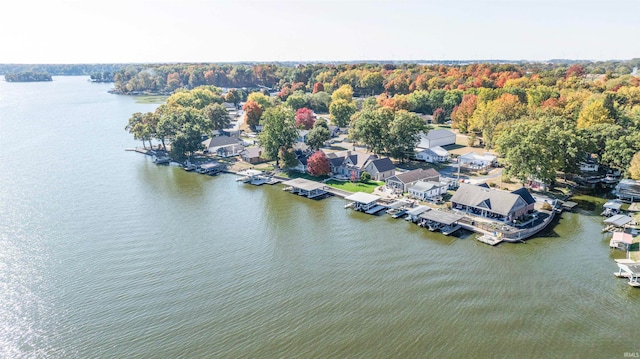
(611,208)
(414,213)
(305,187)
(618,221)
(621,240)
(210,168)
(629,269)
(365,202)
(447,222)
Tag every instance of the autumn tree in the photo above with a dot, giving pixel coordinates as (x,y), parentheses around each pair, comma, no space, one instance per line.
(318,164)
(278,130)
(233,96)
(593,114)
(252,113)
(260,98)
(489,118)
(345,92)
(305,118)
(139,129)
(463,112)
(438,115)
(634,168)
(318,87)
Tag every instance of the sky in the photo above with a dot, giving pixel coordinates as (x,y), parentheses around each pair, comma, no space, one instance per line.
(143,31)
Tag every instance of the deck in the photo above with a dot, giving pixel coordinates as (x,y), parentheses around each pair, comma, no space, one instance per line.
(488,239)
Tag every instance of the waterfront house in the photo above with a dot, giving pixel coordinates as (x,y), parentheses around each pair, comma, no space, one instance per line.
(435,154)
(436,138)
(428,191)
(303,158)
(302,136)
(252,155)
(223,146)
(492,203)
(352,163)
(401,181)
(475,161)
(628,190)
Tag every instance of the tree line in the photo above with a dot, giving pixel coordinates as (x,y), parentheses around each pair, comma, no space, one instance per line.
(27,76)
(541,118)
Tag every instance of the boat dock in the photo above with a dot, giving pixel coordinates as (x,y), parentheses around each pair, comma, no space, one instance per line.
(365,202)
(489,239)
(306,188)
(446,222)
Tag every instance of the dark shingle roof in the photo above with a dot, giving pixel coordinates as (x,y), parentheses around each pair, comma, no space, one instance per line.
(220,141)
(526,196)
(383,164)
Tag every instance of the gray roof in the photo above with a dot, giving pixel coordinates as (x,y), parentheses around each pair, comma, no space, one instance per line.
(613,204)
(251,152)
(618,220)
(496,201)
(433,135)
(304,184)
(422,186)
(220,141)
(524,193)
(418,210)
(416,175)
(383,164)
(441,217)
(362,197)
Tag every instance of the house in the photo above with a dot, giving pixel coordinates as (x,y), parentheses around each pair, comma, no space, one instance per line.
(492,203)
(223,146)
(380,168)
(401,181)
(428,191)
(252,155)
(350,164)
(589,166)
(302,136)
(303,158)
(432,155)
(435,138)
(335,131)
(475,161)
(628,190)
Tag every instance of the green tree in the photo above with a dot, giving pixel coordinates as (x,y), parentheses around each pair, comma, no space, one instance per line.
(634,168)
(218,115)
(341,111)
(404,134)
(139,129)
(371,128)
(278,130)
(365,177)
(187,141)
(287,157)
(318,136)
(296,100)
(619,151)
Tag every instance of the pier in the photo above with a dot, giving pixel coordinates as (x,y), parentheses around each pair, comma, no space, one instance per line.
(306,188)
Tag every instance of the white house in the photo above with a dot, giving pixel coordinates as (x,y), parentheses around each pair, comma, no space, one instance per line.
(402,181)
(223,146)
(475,161)
(428,191)
(432,155)
(435,138)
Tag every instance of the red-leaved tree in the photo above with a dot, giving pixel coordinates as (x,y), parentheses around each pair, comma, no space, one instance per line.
(438,115)
(252,111)
(318,164)
(317,87)
(305,118)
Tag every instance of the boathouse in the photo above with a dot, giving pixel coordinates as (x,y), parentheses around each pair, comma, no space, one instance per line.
(304,187)
(435,220)
(628,190)
(210,168)
(365,202)
(492,203)
(414,213)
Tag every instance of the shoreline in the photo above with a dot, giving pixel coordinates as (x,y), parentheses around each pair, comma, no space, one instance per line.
(489,232)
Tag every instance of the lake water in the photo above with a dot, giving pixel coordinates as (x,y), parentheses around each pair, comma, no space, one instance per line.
(105,255)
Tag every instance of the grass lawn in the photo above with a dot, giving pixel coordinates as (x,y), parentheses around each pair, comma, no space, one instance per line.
(367,187)
(296,174)
(151,99)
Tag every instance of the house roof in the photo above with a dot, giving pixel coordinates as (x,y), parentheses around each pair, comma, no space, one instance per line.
(421,186)
(496,201)
(622,237)
(252,152)
(418,210)
(476,157)
(437,150)
(524,193)
(613,204)
(220,141)
(383,164)
(415,175)
(628,185)
(362,197)
(434,135)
